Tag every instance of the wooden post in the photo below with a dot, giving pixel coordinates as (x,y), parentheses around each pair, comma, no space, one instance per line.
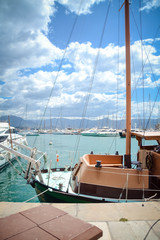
(128,80)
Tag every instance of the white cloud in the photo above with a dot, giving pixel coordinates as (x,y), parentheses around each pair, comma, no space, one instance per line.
(79,6)
(71,88)
(150,109)
(23,27)
(66,66)
(27,14)
(150,4)
(23,43)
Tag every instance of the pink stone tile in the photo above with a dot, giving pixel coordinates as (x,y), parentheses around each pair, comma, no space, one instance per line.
(66,227)
(33,234)
(14,224)
(93,233)
(46,223)
(43,213)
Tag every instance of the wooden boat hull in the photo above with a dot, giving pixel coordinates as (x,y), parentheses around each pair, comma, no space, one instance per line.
(112,195)
(90,184)
(56,196)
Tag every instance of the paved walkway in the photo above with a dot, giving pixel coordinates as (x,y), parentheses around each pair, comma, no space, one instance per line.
(45,222)
(116,220)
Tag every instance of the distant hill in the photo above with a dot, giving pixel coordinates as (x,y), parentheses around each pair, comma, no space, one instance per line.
(18,122)
(62,123)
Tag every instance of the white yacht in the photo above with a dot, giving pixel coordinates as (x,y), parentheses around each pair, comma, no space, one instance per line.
(90,132)
(7,134)
(108,132)
(102,132)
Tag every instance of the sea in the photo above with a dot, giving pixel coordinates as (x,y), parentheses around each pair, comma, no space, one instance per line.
(13,186)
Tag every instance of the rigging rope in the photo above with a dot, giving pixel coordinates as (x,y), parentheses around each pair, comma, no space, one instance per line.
(144,63)
(117,71)
(153,107)
(60,65)
(147,54)
(19,173)
(36,195)
(91,80)
(151,228)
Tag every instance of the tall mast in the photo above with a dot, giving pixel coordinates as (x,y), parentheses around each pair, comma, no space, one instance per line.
(128,80)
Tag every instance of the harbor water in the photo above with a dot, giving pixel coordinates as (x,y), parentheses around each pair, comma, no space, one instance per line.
(70,148)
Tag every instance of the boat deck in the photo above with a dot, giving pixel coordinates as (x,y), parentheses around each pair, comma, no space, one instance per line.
(58,180)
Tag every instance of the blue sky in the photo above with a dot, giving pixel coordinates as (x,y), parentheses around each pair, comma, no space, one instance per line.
(33,42)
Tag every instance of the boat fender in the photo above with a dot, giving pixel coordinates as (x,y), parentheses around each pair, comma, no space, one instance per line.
(74,184)
(57,157)
(149,161)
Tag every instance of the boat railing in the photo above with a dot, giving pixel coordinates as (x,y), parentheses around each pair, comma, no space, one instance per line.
(33,163)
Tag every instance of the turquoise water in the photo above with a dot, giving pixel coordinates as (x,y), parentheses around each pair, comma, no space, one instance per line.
(13,187)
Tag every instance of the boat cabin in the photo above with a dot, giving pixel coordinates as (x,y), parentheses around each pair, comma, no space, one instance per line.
(106,175)
(149,155)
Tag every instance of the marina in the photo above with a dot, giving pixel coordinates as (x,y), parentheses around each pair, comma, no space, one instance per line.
(12,184)
(97,178)
(90,182)
(139,220)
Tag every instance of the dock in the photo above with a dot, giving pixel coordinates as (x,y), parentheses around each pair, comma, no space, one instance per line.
(135,220)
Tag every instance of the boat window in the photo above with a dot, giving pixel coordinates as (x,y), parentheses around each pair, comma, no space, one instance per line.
(149,142)
(12,131)
(3,138)
(7,131)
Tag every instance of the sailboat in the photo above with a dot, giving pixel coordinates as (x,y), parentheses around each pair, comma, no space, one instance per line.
(109,178)
(8,134)
(104,178)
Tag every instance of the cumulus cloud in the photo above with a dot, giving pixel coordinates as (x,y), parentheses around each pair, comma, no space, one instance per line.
(71,89)
(25,48)
(79,6)
(150,4)
(23,25)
